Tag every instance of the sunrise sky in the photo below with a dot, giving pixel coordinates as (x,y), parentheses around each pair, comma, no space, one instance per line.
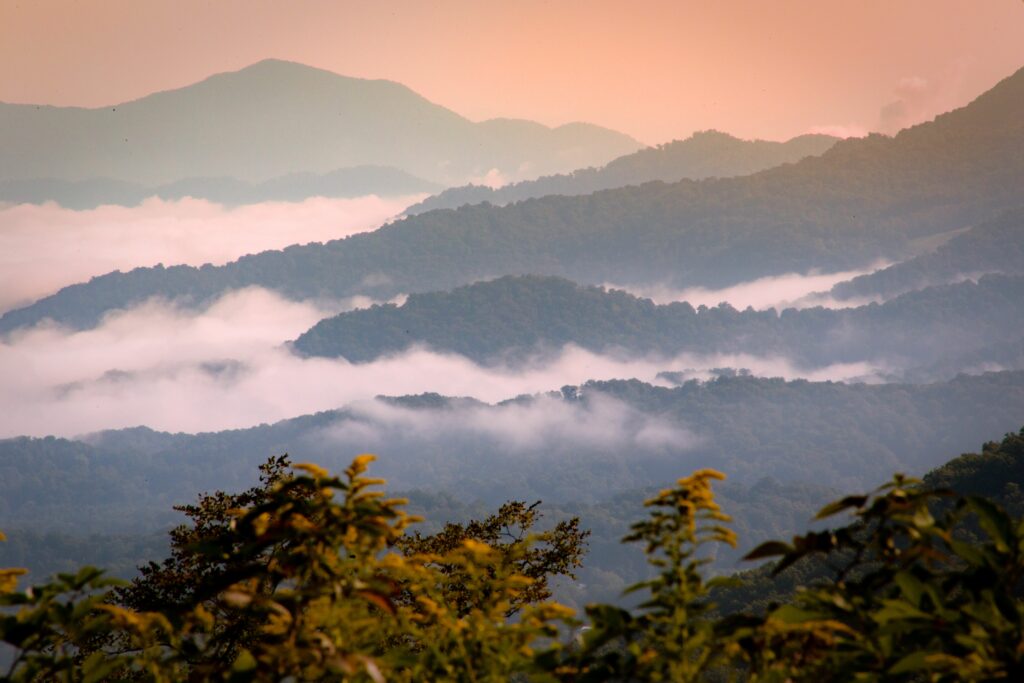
(655,70)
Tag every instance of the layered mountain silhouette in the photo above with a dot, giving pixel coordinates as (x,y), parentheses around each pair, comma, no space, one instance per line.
(705,154)
(515,318)
(831,433)
(862,200)
(275,118)
(995,246)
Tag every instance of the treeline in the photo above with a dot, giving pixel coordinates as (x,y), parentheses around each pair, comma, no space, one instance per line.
(786,446)
(514,319)
(995,246)
(833,434)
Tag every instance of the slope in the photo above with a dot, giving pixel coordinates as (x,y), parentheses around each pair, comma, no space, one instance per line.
(275,118)
(513,319)
(703,155)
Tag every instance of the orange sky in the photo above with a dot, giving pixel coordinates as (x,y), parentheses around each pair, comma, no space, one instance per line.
(656,70)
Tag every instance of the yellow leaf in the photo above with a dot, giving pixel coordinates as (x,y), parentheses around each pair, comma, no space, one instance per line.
(9,579)
(313,469)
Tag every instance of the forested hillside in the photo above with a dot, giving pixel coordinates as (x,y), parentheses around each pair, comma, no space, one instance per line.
(862,200)
(706,154)
(513,319)
(590,443)
(995,246)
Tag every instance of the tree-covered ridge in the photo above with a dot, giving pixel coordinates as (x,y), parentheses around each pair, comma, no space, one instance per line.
(995,246)
(308,577)
(275,117)
(862,200)
(832,434)
(705,154)
(514,318)
(341,183)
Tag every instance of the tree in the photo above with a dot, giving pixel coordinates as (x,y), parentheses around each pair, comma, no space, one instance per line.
(537,556)
(310,580)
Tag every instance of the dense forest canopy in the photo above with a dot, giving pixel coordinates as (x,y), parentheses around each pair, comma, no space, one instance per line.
(788,447)
(515,319)
(995,246)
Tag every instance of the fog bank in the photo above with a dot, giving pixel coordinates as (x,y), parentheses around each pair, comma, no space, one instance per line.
(46,247)
(791,290)
(226,367)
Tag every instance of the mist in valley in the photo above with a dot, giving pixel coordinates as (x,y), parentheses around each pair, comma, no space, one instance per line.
(46,247)
(227,366)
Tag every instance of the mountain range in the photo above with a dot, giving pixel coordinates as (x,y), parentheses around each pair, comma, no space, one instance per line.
(517,319)
(832,434)
(276,118)
(862,200)
(705,154)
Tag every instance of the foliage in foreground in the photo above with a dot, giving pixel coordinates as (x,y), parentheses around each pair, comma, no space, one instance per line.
(312,580)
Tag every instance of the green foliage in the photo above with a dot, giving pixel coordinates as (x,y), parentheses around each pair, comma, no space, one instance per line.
(537,556)
(310,579)
(671,637)
(298,577)
(910,601)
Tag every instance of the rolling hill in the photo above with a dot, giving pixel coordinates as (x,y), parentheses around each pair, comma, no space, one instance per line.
(513,319)
(995,246)
(705,154)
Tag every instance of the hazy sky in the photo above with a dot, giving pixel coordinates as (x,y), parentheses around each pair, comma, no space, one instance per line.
(656,70)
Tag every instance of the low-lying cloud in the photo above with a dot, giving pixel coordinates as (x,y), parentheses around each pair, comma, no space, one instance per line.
(791,290)
(226,367)
(46,247)
(542,425)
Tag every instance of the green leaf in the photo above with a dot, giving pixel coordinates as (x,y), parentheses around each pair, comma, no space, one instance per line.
(994,521)
(915,661)
(244,662)
(795,615)
(911,588)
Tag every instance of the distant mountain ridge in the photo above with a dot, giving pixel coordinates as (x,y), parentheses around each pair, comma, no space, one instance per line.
(274,118)
(862,200)
(705,154)
(831,433)
(515,318)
